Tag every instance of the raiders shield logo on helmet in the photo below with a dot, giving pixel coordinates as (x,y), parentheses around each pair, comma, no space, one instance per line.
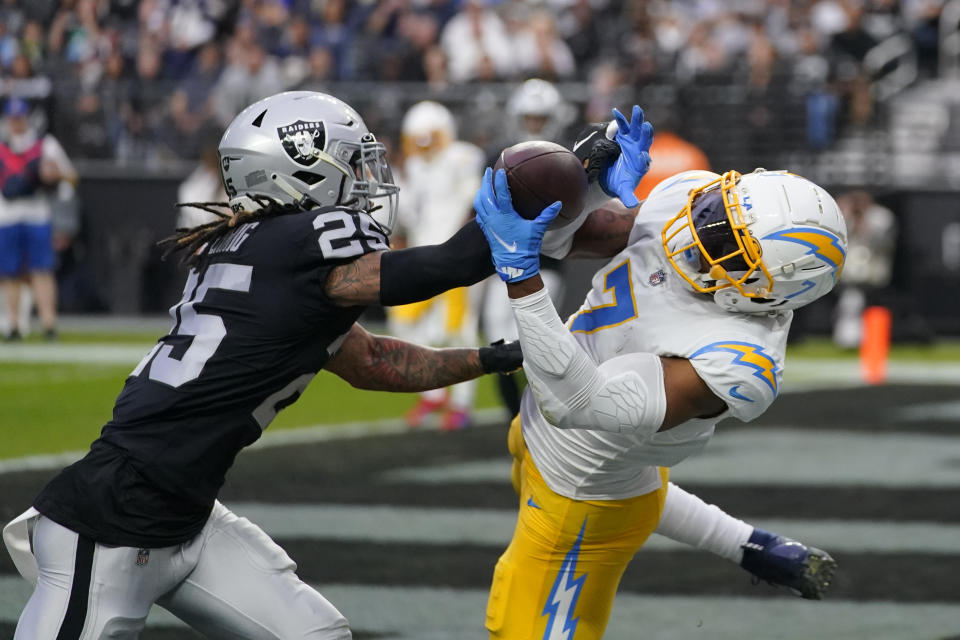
(303,141)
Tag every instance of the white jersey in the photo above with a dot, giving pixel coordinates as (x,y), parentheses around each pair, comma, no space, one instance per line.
(202,185)
(639,304)
(436,193)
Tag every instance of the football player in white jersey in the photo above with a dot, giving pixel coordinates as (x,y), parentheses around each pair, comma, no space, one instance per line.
(440,175)
(685,326)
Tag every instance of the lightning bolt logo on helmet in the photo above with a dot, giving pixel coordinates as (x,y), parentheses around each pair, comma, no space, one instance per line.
(822,244)
(562,600)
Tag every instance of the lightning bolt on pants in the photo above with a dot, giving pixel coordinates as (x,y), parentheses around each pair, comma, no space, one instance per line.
(559,575)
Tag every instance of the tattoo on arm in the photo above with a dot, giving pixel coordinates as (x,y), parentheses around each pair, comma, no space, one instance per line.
(356,282)
(605,232)
(396,365)
(382,363)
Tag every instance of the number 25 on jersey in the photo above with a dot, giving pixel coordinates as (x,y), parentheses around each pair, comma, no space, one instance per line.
(206,329)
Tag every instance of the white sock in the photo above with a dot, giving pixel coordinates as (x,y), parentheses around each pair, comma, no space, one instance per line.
(462,394)
(688,519)
(436,396)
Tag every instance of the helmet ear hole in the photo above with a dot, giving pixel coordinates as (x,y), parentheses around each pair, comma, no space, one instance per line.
(309,177)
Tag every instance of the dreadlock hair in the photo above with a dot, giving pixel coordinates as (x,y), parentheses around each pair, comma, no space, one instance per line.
(195,241)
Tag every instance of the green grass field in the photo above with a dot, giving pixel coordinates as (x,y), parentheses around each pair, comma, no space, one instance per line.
(57,407)
(51,408)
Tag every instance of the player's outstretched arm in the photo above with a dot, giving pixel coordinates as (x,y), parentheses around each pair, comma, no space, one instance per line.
(419,273)
(356,283)
(382,363)
(638,393)
(411,275)
(605,232)
(616,155)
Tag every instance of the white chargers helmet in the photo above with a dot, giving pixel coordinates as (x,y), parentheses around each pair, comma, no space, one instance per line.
(537,111)
(427,128)
(765,241)
(309,149)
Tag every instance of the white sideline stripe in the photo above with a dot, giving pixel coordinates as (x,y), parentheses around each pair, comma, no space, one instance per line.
(774,455)
(931,412)
(827,372)
(745,456)
(382,523)
(280,438)
(800,373)
(781,455)
(74,353)
(430,613)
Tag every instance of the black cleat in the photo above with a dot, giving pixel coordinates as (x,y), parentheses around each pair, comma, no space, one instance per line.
(807,571)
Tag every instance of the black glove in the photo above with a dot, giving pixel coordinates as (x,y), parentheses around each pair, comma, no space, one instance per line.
(501,357)
(595,150)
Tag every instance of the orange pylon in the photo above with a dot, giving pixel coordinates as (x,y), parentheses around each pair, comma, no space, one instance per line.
(875,345)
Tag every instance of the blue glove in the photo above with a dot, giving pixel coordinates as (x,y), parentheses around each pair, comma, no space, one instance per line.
(514,241)
(622,177)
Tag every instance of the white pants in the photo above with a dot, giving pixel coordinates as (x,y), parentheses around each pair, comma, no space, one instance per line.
(230,581)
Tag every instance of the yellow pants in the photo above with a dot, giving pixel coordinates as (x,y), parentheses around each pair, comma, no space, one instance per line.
(559,575)
(457,306)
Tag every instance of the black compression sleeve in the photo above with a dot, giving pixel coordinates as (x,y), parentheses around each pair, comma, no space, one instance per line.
(419,273)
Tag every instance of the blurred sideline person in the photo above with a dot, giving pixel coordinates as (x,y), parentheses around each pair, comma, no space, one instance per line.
(535,111)
(204,184)
(31,165)
(685,326)
(272,296)
(440,175)
(872,241)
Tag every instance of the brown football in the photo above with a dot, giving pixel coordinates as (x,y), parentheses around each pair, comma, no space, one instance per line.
(540,173)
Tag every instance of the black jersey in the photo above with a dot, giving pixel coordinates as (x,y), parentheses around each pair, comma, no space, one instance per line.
(253,328)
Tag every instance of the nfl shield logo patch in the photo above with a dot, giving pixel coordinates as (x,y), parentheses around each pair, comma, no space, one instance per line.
(143,556)
(657,277)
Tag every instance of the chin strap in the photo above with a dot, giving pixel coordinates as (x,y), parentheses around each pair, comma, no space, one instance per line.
(302,200)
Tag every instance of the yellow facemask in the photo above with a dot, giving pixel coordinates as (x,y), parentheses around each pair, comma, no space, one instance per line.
(706,244)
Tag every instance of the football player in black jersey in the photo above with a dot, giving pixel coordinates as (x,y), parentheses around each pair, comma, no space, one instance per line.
(273,294)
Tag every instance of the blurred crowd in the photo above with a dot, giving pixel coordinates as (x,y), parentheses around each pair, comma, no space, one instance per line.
(150,79)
